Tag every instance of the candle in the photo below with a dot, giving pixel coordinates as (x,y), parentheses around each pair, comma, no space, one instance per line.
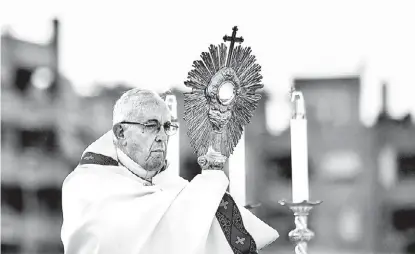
(237,172)
(299,153)
(173,154)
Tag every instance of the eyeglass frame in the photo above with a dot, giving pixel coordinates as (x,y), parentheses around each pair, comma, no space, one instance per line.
(175,124)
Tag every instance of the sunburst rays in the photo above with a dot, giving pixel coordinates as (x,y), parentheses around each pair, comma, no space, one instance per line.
(200,130)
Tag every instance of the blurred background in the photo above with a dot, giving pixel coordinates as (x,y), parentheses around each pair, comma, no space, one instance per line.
(64,65)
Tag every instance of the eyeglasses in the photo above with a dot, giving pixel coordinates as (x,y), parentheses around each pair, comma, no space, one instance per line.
(155,126)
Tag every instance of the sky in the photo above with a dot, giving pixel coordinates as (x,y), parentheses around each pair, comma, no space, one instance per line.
(154,43)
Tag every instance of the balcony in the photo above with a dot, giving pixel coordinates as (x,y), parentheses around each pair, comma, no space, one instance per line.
(32,169)
(34,111)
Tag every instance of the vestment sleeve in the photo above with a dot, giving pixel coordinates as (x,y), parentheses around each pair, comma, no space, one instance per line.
(112,214)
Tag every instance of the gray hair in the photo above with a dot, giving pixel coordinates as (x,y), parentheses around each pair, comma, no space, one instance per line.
(126,106)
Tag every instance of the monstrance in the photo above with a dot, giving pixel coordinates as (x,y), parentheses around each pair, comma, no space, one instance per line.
(223,98)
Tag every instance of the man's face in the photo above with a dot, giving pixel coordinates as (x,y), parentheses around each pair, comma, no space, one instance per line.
(148,148)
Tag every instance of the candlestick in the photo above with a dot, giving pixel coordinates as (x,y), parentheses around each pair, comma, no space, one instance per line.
(301,235)
(299,154)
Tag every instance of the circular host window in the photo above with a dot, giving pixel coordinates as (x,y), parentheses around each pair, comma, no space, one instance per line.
(226,92)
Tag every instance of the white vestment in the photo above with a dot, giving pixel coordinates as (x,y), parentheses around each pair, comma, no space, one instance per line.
(107,209)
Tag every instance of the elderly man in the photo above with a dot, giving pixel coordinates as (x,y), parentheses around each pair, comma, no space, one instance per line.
(122,199)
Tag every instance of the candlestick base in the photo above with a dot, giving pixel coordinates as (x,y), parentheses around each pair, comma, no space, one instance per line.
(301,235)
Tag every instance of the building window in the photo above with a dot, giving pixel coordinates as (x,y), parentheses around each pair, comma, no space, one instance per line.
(50,199)
(410,248)
(43,139)
(191,168)
(280,167)
(12,197)
(404,219)
(10,248)
(406,166)
(22,79)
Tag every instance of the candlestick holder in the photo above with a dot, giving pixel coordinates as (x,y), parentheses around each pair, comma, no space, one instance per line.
(301,235)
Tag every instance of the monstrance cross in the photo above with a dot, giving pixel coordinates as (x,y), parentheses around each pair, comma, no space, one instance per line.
(232,39)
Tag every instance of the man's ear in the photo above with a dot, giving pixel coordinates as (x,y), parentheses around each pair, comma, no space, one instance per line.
(164,95)
(118,131)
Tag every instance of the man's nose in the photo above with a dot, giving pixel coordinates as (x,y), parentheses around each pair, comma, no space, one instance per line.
(161,135)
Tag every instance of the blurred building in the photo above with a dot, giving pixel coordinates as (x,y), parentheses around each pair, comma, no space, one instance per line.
(395,188)
(45,126)
(365,176)
(33,165)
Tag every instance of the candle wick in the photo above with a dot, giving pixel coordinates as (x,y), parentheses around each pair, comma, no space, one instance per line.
(299,107)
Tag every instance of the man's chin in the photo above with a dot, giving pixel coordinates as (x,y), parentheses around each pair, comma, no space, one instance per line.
(155,166)
(154,169)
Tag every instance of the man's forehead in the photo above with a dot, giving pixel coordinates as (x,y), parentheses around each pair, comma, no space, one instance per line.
(152,110)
